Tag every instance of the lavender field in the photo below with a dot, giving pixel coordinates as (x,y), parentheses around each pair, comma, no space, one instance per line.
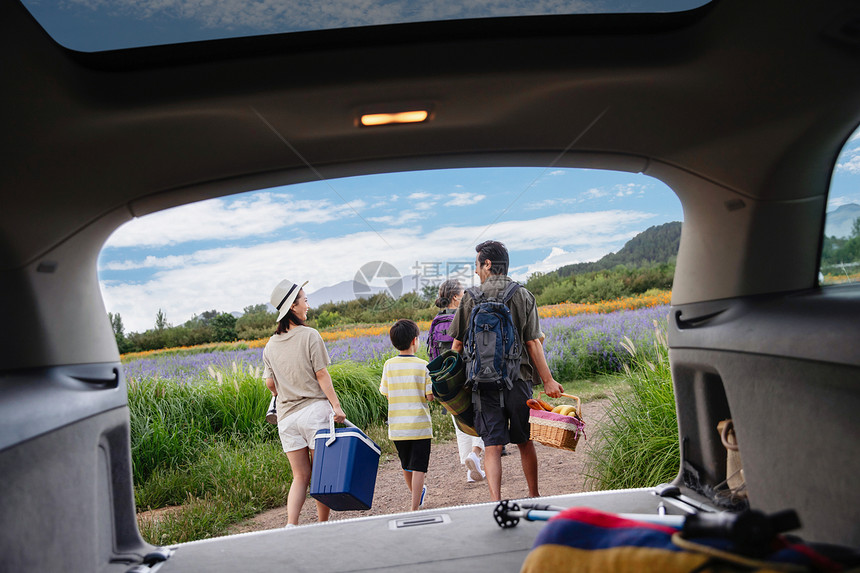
(576,347)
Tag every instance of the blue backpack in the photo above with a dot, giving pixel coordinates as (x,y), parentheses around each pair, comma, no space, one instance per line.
(439,335)
(491,348)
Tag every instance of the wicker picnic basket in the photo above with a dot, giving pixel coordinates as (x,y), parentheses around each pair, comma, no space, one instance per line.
(555,430)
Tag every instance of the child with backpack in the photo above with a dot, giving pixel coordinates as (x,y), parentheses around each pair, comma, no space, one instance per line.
(407,386)
(438,341)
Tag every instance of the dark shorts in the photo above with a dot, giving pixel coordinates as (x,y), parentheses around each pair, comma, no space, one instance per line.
(414,454)
(498,425)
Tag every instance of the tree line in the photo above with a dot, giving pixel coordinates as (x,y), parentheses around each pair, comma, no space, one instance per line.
(838,253)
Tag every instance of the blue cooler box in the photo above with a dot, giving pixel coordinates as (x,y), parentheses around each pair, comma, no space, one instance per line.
(344,470)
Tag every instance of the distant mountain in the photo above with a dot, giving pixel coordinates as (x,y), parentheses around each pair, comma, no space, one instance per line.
(655,245)
(840,222)
(344,291)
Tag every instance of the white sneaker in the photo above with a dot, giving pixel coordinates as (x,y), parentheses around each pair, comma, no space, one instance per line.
(423,496)
(469,477)
(473,464)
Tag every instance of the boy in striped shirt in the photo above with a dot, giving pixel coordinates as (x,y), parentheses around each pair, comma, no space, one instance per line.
(407,385)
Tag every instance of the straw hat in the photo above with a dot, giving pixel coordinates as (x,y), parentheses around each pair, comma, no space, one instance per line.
(284,295)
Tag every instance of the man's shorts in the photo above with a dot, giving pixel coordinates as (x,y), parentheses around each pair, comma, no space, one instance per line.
(297,429)
(414,454)
(502,425)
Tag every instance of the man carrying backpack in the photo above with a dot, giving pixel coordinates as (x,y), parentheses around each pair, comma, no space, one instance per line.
(502,368)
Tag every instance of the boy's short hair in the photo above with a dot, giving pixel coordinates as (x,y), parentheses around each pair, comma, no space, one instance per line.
(403,332)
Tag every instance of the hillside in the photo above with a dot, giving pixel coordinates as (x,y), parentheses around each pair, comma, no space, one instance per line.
(655,245)
(840,222)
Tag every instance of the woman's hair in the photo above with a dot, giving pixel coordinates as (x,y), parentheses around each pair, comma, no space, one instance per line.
(403,333)
(284,323)
(447,290)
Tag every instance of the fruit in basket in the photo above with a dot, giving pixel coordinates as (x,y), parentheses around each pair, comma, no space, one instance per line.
(545,405)
(533,404)
(565,410)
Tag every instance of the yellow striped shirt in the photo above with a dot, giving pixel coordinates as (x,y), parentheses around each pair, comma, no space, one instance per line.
(406,382)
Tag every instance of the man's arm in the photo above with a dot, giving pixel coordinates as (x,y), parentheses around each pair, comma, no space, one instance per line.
(457,345)
(538,360)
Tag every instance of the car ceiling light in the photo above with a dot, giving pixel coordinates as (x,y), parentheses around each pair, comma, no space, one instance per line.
(374,119)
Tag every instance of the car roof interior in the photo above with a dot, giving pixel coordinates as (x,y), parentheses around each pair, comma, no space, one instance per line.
(740,107)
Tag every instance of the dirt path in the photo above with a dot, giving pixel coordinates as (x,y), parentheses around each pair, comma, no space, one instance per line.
(559,472)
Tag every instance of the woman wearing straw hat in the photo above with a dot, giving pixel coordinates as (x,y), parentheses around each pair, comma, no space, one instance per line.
(295,361)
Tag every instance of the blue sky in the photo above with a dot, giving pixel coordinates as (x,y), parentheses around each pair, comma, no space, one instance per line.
(229,253)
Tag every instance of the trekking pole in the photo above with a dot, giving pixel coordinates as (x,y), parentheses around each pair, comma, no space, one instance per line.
(508,514)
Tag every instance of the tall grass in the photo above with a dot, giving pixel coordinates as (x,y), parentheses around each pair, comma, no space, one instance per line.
(171,424)
(206,446)
(638,446)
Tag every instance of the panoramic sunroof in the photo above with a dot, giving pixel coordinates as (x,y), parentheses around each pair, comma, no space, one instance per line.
(99,25)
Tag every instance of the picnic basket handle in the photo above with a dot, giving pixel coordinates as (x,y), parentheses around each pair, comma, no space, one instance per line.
(578,402)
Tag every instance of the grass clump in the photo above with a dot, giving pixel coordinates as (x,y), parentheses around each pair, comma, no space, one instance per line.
(639,445)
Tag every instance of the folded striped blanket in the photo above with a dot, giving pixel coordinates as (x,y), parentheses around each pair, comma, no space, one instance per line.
(587,540)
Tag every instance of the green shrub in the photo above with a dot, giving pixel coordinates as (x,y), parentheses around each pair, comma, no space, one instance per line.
(639,443)
(357,387)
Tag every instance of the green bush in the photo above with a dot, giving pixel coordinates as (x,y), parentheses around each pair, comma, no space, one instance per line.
(639,444)
(357,387)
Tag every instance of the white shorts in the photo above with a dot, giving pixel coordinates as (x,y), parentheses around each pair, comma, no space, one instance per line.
(297,430)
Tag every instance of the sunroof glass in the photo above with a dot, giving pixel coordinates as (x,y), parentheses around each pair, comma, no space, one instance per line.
(98,25)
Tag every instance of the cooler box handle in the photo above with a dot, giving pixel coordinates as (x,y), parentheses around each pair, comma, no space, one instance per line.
(332,437)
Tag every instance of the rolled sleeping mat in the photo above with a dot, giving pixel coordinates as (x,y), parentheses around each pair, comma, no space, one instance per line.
(448,372)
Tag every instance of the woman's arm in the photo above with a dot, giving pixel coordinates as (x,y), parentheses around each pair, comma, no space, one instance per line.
(324,379)
(270,384)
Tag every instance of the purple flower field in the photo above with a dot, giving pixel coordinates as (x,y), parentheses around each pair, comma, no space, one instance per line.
(576,346)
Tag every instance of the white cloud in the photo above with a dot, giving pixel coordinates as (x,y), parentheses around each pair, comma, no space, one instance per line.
(595,193)
(229,279)
(424,205)
(386,219)
(464,199)
(538,205)
(150,262)
(852,162)
(256,215)
(557,172)
(420,195)
(401,218)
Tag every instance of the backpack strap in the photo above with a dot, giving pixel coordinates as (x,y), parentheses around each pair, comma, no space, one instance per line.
(477,293)
(509,291)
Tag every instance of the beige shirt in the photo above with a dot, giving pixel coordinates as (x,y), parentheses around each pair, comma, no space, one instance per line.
(293,359)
